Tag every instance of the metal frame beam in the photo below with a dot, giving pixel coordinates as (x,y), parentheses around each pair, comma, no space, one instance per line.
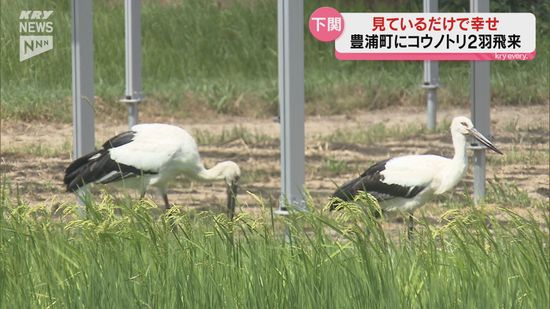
(133,93)
(480,97)
(83,78)
(291,103)
(431,76)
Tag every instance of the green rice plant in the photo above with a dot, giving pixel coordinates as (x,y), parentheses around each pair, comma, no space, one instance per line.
(498,192)
(505,193)
(120,255)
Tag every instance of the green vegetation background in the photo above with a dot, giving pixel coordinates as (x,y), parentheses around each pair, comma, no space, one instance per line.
(221,55)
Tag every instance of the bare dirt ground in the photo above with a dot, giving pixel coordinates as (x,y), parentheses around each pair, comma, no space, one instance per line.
(34,155)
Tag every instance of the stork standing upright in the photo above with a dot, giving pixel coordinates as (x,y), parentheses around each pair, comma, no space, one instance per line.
(150,155)
(408,182)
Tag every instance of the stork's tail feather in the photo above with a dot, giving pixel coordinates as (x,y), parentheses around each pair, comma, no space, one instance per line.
(77,173)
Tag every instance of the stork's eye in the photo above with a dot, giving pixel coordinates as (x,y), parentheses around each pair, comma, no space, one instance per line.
(464,124)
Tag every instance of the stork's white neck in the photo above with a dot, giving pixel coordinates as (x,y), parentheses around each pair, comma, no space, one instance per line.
(454,171)
(214,173)
(459,143)
(227,170)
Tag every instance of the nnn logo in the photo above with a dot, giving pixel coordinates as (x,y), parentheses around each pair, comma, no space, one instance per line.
(33,25)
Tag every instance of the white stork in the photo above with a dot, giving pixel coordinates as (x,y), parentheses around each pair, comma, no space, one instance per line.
(150,155)
(408,182)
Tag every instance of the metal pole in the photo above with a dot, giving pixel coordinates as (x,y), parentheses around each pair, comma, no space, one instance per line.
(133,94)
(291,103)
(431,76)
(83,78)
(480,93)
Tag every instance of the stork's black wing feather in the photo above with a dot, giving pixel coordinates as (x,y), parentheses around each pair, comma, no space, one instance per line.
(76,165)
(372,181)
(119,140)
(99,167)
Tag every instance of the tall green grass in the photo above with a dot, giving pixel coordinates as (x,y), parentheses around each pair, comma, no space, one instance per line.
(200,53)
(122,256)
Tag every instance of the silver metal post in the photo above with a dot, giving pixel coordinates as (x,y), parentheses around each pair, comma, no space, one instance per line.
(83,78)
(431,76)
(133,94)
(291,103)
(480,93)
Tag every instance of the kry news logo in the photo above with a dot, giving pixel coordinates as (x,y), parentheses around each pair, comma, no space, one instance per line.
(34,23)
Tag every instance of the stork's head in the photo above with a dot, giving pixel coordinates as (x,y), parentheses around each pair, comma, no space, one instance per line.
(231,173)
(463,125)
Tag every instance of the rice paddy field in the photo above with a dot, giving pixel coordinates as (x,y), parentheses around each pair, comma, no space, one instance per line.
(128,258)
(117,251)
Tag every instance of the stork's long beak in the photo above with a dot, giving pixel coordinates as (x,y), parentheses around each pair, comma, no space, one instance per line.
(482,139)
(232,198)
